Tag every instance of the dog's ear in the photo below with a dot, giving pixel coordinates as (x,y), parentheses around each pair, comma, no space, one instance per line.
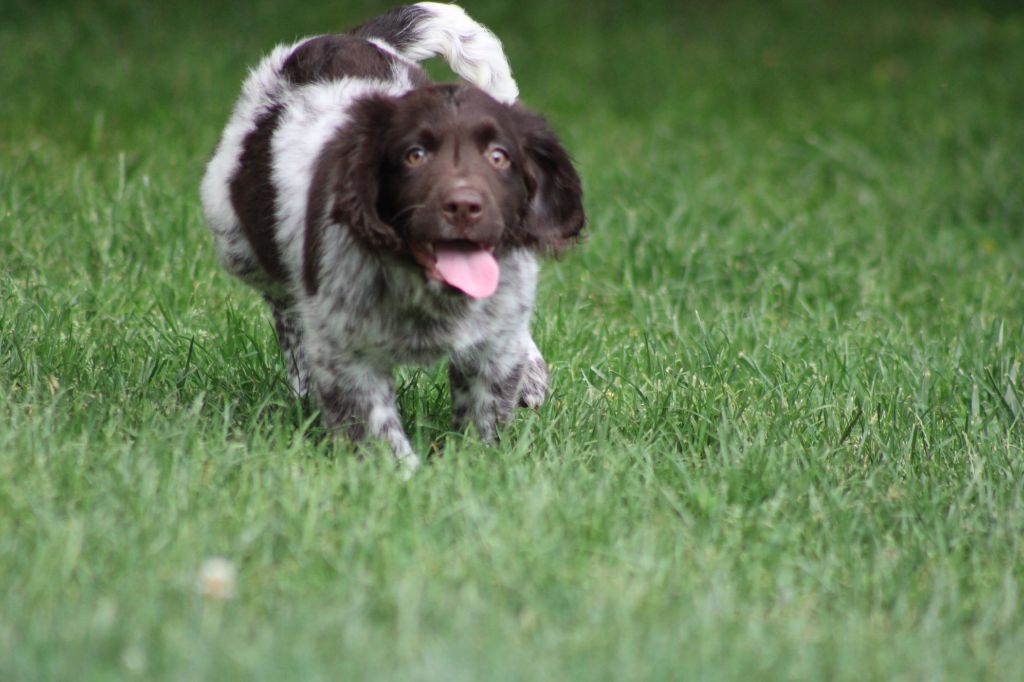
(345,186)
(555,217)
(357,185)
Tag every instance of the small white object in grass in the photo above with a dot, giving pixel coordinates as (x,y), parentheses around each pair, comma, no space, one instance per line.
(216,579)
(133,658)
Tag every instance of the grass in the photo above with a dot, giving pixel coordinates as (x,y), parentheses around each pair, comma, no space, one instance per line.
(785,439)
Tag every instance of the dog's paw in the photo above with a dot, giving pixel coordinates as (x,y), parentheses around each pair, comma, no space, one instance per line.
(533,388)
(408,465)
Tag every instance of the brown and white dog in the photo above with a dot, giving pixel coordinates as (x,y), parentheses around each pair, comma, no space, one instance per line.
(390,220)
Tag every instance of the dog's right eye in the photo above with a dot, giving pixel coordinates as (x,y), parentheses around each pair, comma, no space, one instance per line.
(415,156)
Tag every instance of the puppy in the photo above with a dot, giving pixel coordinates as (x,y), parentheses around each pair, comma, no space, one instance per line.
(387,220)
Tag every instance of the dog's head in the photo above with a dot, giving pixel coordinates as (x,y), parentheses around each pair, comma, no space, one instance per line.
(447,177)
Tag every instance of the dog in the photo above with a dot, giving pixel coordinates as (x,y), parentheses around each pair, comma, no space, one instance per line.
(388,220)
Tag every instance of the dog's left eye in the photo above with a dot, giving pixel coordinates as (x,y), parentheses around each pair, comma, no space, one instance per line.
(415,156)
(498,157)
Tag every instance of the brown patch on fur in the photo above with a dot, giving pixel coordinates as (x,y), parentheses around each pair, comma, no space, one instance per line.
(334,57)
(253,194)
(396,27)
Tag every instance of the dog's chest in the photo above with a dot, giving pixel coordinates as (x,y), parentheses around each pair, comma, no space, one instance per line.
(395,329)
(384,311)
(413,335)
(420,337)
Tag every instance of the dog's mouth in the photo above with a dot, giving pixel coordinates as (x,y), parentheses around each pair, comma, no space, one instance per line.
(462,264)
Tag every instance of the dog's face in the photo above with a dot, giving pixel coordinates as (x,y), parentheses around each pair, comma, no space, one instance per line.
(446,176)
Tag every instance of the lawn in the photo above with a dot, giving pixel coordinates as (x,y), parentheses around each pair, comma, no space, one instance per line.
(786,433)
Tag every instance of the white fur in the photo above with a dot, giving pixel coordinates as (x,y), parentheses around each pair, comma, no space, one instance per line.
(470,49)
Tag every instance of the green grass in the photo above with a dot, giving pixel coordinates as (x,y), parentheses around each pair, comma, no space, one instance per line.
(785,439)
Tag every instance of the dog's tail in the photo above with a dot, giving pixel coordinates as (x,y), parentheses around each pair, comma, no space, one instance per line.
(429,29)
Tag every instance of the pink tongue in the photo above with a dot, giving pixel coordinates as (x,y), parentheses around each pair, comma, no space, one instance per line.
(474,272)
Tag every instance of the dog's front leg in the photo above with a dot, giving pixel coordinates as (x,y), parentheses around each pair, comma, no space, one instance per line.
(287,326)
(359,400)
(489,381)
(533,389)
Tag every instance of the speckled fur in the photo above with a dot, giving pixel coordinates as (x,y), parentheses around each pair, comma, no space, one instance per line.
(370,311)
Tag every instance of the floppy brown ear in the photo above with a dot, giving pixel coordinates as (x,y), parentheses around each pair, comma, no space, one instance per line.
(346,185)
(555,215)
(357,187)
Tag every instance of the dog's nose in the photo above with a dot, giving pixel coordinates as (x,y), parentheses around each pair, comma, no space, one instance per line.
(463,207)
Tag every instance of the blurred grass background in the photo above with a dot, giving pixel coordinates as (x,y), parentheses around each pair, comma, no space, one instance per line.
(785,435)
